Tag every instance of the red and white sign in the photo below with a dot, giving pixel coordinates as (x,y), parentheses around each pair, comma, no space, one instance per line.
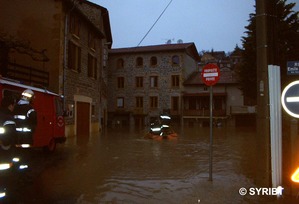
(210,74)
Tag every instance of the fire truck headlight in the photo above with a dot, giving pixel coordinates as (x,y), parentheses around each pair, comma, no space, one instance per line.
(2,130)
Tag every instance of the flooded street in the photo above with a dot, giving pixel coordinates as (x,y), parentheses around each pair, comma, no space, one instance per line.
(121,166)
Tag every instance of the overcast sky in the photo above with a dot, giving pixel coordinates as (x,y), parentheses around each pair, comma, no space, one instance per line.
(210,24)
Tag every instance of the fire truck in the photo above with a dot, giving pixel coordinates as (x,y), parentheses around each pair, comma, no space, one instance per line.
(49,107)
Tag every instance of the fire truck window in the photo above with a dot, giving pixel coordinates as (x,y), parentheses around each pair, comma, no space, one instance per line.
(59,107)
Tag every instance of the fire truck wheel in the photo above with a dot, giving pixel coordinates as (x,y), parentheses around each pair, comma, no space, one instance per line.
(51,146)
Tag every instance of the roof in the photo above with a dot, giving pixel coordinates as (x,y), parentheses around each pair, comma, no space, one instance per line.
(226,77)
(190,48)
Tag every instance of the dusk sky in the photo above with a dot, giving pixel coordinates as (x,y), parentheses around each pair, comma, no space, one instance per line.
(210,24)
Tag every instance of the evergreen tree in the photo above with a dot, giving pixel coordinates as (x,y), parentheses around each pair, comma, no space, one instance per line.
(283,44)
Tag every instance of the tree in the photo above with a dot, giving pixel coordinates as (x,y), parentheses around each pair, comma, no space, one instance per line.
(283,44)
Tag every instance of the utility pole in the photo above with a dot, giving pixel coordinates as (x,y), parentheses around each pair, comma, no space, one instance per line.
(263,171)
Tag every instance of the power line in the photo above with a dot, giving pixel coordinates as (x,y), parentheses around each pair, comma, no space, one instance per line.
(154,23)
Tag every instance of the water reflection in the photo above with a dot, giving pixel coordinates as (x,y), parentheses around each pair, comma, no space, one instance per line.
(121,166)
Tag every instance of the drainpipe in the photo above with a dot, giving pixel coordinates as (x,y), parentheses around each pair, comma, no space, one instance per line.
(64,58)
(66,28)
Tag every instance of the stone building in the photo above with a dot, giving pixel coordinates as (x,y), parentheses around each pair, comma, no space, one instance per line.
(147,81)
(61,45)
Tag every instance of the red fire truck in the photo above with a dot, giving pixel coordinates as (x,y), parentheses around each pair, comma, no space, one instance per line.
(50,121)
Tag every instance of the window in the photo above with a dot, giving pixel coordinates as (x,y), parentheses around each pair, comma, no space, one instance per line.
(139,62)
(139,82)
(74,57)
(139,102)
(75,25)
(175,103)
(120,63)
(91,40)
(92,66)
(175,60)
(93,110)
(153,81)
(175,80)
(120,82)
(153,102)
(153,61)
(120,102)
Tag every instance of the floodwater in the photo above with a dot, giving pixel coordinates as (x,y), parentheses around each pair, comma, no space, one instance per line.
(121,166)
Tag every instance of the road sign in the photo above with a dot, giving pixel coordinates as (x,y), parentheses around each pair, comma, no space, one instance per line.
(210,74)
(290,99)
(293,68)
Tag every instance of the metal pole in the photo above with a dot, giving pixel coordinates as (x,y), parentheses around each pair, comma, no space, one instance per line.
(211,134)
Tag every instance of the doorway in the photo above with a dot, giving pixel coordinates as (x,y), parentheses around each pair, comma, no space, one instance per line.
(83,121)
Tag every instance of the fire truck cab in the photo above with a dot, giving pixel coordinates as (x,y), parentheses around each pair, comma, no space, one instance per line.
(49,107)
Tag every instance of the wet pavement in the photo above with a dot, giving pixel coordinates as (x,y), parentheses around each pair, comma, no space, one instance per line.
(121,166)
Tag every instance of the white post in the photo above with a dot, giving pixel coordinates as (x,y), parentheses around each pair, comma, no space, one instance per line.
(275,124)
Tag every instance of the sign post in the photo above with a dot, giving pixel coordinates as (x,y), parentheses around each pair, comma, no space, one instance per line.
(210,76)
